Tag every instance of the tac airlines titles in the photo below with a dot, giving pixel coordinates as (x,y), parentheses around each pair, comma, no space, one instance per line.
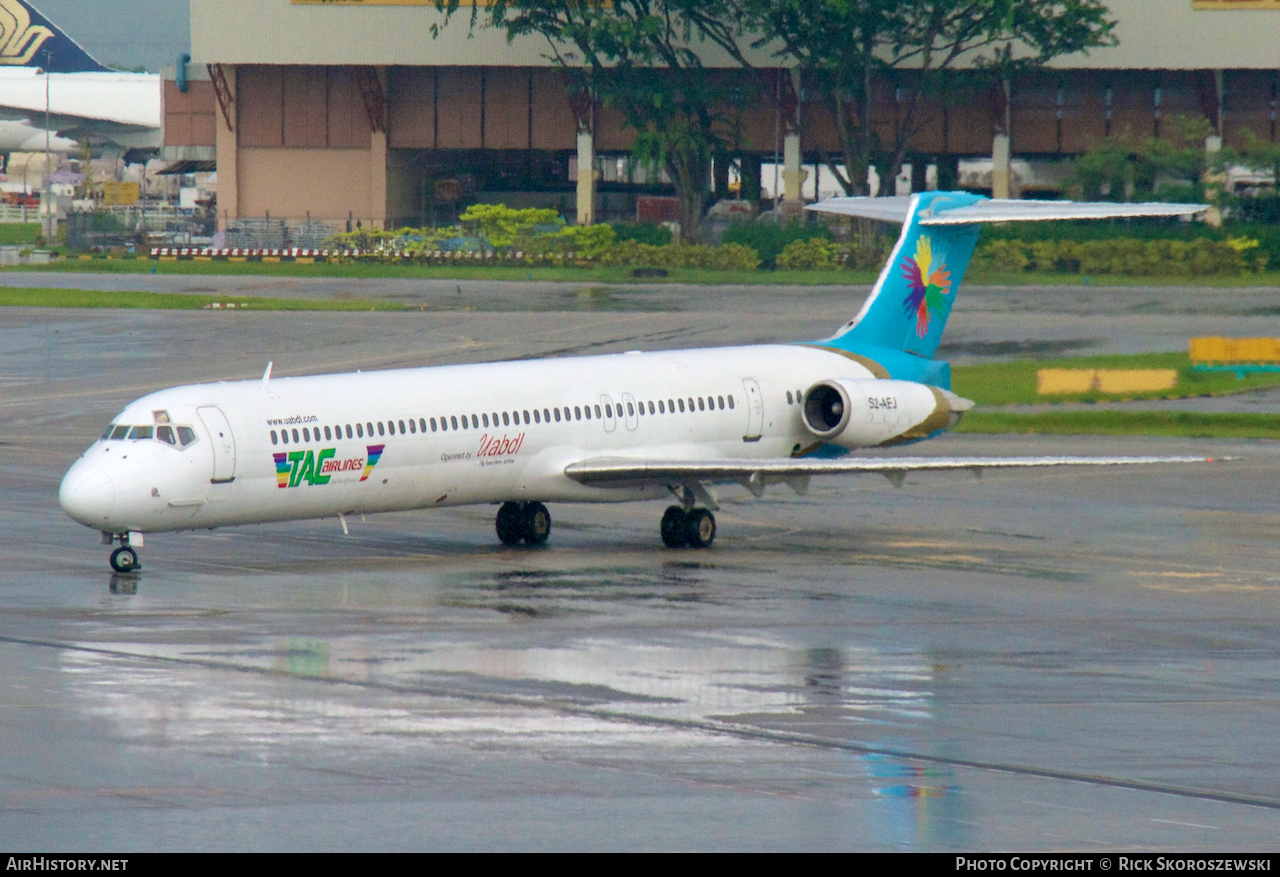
(490,446)
(295,468)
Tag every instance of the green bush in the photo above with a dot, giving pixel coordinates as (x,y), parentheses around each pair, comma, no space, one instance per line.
(769,240)
(811,254)
(727,257)
(643,233)
(1125,257)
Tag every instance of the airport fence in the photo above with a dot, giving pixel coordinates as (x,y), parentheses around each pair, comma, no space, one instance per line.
(113,228)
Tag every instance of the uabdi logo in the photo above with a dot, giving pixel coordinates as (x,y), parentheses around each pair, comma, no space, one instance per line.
(19,39)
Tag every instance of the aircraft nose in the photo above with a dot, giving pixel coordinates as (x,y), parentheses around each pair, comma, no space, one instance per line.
(87,494)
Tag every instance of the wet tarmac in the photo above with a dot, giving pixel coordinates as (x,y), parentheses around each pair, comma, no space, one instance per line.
(1059,660)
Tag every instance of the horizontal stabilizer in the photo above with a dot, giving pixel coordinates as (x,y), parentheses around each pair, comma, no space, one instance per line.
(939,212)
(618,472)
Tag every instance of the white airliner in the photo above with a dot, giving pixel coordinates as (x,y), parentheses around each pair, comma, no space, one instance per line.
(631,426)
(48,78)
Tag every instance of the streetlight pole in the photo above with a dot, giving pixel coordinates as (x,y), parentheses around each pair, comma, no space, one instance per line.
(46,200)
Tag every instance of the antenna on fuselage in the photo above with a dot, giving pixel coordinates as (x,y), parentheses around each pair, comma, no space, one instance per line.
(266,375)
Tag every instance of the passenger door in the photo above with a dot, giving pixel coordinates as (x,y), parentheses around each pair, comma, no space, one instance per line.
(218,429)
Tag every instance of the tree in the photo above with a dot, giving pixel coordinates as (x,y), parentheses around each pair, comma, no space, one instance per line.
(645,58)
(846,46)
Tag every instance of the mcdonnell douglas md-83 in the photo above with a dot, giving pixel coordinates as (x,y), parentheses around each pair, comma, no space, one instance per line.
(616,428)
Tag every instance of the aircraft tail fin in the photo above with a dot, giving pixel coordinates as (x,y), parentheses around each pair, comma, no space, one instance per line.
(28,39)
(908,307)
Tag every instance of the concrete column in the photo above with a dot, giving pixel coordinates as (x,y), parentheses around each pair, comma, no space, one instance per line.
(1001,172)
(793,175)
(227,144)
(1214,179)
(586,178)
(378,157)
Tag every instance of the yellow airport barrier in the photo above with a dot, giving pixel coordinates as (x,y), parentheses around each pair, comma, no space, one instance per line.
(1217,349)
(1137,380)
(1061,381)
(1067,381)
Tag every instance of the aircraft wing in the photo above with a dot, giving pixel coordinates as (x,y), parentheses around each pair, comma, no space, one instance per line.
(629,472)
(895,209)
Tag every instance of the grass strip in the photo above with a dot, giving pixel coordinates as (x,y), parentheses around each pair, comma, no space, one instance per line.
(382,270)
(172,301)
(1014,383)
(780,277)
(1183,424)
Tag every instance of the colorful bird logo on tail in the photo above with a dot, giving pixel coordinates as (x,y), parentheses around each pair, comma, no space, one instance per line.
(927,285)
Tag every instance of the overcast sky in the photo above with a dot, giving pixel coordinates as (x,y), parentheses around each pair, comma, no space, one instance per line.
(124,33)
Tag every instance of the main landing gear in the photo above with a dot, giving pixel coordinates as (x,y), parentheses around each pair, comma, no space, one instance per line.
(527,522)
(695,528)
(124,558)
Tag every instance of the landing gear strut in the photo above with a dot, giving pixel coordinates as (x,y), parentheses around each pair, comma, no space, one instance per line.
(529,522)
(695,528)
(124,558)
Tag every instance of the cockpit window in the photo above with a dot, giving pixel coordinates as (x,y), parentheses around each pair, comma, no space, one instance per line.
(174,436)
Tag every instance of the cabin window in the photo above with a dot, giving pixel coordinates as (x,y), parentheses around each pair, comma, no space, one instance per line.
(484,418)
(720,402)
(506,419)
(359,430)
(381,431)
(652,410)
(789,401)
(186,435)
(536,417)
(730,403)
(526,417)
(284,436)
(328,434)
(434,425)
(577,412)
(587,409)
(296,438)
(413,427)
(599,413)
(306,434)
(465,425)
(453,421)
(275,439)
(681,401)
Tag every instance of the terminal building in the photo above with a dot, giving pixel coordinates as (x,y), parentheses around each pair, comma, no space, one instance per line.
(351,111)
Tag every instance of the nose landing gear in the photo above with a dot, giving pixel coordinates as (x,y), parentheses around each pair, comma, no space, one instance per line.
(124,558)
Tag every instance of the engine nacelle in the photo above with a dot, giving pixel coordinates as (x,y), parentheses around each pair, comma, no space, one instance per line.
(866,413)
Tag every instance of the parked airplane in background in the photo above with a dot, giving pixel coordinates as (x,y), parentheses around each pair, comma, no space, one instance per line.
(42,69)
(630,426)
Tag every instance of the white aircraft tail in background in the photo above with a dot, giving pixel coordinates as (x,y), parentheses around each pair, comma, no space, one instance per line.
(615,428)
